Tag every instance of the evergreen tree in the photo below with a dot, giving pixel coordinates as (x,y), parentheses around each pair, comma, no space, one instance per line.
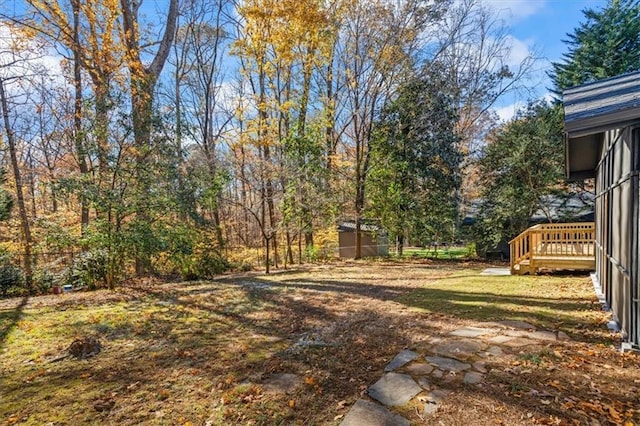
(606,45)
(6,202)
(415,163)
(520,166)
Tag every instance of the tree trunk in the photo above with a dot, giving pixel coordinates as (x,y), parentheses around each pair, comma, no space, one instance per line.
(289,254)
(267,257)
(24,219)
(78,134)
(302,120)
(143,80)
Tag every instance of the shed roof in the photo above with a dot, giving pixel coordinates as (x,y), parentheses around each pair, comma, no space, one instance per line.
(350,226)
(602,105)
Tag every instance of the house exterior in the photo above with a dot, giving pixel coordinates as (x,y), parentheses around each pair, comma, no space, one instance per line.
(374,242)
(602,141)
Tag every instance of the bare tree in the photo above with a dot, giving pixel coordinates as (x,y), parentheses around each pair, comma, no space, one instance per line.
(373,58)
(16,65)
(477,52)
(143,78)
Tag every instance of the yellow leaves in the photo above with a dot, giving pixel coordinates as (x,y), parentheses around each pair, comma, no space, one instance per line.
(12,420)
(310,381)
(290,29)
(556,384)
(163,394)
(614,414)
(39,373)
(292,403)
(614,410)
(590,407)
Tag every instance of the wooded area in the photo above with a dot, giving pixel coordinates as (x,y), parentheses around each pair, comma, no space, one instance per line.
(217,134)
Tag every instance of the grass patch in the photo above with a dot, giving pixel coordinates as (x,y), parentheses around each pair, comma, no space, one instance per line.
(549,302)
(441,252)
(202,352)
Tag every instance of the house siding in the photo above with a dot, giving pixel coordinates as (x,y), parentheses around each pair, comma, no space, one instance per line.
(618,226)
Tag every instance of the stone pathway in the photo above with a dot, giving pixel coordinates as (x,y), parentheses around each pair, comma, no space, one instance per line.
(496,271)
(458,359)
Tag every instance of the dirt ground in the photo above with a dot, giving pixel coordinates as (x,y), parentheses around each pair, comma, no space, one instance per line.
(202,353)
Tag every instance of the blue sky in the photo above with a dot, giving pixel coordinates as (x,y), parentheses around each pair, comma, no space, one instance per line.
(540,26)
(535,26)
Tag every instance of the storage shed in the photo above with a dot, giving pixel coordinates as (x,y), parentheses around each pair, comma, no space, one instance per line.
(375,241)
(602,141)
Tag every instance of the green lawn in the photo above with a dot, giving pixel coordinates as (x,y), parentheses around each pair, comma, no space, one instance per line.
(442,252)
(550,302)
(198,352)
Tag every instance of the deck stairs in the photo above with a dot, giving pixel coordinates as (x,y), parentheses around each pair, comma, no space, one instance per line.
(554,246)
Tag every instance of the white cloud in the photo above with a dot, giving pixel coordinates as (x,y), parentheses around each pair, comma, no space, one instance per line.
(519,50)
(507,112)
(512,11)
(21,57)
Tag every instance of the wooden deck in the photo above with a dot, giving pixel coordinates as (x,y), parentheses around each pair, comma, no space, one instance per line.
(559,246)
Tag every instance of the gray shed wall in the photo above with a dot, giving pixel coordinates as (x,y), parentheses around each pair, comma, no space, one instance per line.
(370,246)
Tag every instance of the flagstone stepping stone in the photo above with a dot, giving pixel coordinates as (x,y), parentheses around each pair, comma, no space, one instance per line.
(419,369)
(437,395)
(563,336)
(424,383)
(543,335)
(496,271)
(394,389)
(365,413)
(495,351)
(472,378)
(448,364)
(401,359)
(520,342)
(429,408)
(480,366)
(282,383)
(500,339)
(438,374)
(517,324)
(516,333)
(472,332)
(460,349)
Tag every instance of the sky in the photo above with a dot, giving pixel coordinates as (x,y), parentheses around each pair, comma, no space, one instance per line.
(539,26)
(534,25)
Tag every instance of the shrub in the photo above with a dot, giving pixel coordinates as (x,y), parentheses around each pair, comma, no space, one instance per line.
(207,261)
(11,276)
(191,253)
(44,280)
(93,269)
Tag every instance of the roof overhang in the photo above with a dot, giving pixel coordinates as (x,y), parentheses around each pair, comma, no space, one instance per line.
(581,155)
(591,110)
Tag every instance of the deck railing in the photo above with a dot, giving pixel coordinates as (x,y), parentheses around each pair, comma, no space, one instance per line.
(553,240)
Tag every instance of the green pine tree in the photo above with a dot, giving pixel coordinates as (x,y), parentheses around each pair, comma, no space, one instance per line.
(605,45)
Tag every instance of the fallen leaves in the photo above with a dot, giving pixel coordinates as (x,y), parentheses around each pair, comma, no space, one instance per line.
(172,362)
(105,404)
(341,405)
